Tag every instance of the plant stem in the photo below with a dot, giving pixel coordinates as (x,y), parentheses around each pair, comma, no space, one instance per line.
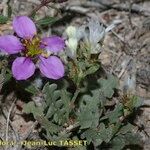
(75,95)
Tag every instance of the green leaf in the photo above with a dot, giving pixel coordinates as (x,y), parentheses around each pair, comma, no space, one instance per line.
(3,19)
(98,136)
(47,21)
(133,139)
(58,103)
(128,139)
(92,69)
(32,108)
(27,108)
(108,85)
(134,102)
(126,128)
(87,118)
(38,114)
(90,135)
(50,127)
(118,143)
(89,112)
(125,137)
(115,114)
(28,86)
(106,134)
(32,89)
(50,94)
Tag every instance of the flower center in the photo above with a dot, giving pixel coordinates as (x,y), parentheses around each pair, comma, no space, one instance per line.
(32,47)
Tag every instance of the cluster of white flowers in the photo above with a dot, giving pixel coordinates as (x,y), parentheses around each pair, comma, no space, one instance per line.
(92,34)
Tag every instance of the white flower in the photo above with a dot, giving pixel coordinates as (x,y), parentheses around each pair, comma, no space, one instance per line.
(96,34)
(92,34)
(129,84)
(72,42)
(71,31)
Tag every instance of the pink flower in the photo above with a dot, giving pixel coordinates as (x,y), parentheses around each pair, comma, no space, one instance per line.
(32,48)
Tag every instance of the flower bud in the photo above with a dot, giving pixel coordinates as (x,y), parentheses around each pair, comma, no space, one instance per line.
(72,41)
(71,31)
(72,44)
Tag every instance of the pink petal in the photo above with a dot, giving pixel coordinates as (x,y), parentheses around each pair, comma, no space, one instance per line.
(54,43)
(10,44)
(51,67)
(24,27)
(23,68)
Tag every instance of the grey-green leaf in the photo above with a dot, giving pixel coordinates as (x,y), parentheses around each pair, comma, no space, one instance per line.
(108,85)
(47,21)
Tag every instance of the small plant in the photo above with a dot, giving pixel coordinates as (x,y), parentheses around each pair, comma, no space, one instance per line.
(76,93)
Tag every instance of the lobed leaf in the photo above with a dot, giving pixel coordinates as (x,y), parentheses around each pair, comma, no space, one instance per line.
(108,85)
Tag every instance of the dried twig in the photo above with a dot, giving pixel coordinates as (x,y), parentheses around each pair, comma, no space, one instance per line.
(45,3)
(8,120)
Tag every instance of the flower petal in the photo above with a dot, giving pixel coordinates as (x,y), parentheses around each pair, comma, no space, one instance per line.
(23,68)
(10,44)
(53,43)
(24,27)
(52,67)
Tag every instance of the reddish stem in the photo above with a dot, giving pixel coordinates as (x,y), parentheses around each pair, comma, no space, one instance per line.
(44,3)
